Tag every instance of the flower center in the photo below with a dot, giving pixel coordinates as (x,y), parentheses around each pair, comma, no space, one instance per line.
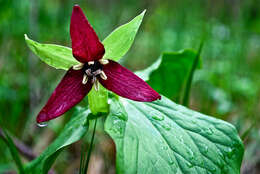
(92,70)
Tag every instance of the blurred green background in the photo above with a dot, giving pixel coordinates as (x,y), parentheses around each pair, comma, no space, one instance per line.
(226,87)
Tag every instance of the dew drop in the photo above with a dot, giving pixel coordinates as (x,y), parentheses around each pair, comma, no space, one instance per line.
(229,152)
(181,139)
(209,131)
(165,148)
(42,124)
(170,160)
(189,165)
(166,127)
(190,154)
(205,149)
(194,121)
(158,117)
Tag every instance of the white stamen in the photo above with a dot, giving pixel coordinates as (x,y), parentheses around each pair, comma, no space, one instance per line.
(103,75)
(85,79)
(91,63)
(88,72)
(78,67)
(103,61)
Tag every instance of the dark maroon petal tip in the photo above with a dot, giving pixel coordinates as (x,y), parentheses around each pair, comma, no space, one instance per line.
(85,43)
(68,93)
(126,84)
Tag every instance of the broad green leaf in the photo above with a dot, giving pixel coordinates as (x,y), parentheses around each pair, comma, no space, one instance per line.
(163,137)
(120,40)
(57,56)
(74,130)
(97,100)
(13,150)
(170,76)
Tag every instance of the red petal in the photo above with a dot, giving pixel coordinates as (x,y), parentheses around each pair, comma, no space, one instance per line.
(85,43)
(126,84)
(68,93)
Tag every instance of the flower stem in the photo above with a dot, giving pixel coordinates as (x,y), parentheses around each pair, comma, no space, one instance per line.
(90,147)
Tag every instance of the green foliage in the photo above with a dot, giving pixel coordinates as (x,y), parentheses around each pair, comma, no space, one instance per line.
(74,130)
(169,137)
(57,56)
(15,155)
(170,73)
(163,137)
(120,40)
(230,76)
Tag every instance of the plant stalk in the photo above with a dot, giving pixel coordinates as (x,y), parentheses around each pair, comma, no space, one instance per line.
(90,148)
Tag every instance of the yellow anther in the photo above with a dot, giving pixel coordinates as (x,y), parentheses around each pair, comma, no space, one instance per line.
(78,67)
(103,75)
(103,61)
(85,79)
(91,63)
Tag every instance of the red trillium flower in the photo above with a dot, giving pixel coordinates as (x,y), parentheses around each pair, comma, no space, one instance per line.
(79,79)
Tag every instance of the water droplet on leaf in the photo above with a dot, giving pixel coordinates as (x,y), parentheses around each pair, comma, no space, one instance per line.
(205,149)
(164,147)
(170,160)
(42,124)
(189,165)
(209,131)
(166,127)
(158,117)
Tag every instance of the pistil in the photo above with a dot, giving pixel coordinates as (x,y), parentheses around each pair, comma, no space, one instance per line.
(92,70)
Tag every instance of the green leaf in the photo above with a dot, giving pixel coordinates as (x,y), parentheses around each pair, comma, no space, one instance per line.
(57,56)
(120,40)
(171,76)
(74,130)
(15,155)
(97,100)
(163,137)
